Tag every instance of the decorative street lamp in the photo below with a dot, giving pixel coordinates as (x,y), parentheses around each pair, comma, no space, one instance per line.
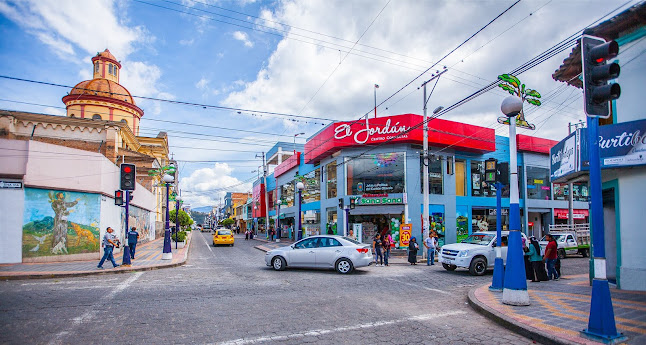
(300,187)
(295,135)
(167,254)
(177,202)
(515,285)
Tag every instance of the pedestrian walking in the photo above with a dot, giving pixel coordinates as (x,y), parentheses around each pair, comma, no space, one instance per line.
(377,246)
(386,244)
(133,238)
(246,235)
(430,243)
(412,251)
(550,257)
(537,272)
(109,242)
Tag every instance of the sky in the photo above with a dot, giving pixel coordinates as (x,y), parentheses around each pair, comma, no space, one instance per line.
(284,67)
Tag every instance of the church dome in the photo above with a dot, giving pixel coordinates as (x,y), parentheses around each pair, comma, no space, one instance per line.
(103,88)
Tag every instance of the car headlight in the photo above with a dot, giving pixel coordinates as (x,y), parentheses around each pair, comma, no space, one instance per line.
(463,253)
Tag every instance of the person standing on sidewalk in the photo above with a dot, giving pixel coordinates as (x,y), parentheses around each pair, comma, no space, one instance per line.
(133,238)
(430,244)
(386,243)
(550,257)
(537,273)
(108,244)
(412,251)
(377,247)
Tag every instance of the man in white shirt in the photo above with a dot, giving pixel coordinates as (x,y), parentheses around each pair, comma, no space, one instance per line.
(430,243)
(109,242)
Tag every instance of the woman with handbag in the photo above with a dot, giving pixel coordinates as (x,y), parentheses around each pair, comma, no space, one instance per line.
(412,251)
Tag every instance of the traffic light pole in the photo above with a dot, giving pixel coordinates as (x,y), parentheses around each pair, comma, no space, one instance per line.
(167,254)
(126,248)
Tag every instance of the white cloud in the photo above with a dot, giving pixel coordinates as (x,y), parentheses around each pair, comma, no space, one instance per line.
(204,187)
(54,111)
(187,42)
(243,37)
(203,84)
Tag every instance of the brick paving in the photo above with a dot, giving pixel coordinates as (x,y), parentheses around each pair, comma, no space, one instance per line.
(559,311)
(148,256)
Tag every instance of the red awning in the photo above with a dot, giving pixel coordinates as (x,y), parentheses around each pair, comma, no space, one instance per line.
(562,213)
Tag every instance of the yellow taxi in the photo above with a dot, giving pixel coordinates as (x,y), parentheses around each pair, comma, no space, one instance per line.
(222,236)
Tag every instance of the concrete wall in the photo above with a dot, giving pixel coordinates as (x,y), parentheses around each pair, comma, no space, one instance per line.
(11,208)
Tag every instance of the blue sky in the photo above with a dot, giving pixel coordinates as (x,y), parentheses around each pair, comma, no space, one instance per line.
(310,58)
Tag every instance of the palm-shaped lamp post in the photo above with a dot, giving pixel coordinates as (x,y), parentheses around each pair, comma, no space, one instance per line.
(513,85)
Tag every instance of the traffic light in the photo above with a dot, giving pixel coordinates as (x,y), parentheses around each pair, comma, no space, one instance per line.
(353,201)
(128,176)
(490,170)
(341,203)
(118,197)
(596,72)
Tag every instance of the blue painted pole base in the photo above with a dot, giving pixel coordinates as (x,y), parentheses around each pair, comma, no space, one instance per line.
(601,324)
(515,284)
(498,276)
(167,254)
(126,256)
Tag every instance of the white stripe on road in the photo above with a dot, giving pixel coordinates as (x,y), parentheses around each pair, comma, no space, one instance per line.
(317,332)
(88,315)
(207,243)
(420,286)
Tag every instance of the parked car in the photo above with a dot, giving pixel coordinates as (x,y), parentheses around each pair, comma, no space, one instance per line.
(476,253)
(325,251)
(569,242)
(223,236)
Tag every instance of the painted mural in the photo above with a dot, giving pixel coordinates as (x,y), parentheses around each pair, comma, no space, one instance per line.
(139,218)
(60,222)
(462,219)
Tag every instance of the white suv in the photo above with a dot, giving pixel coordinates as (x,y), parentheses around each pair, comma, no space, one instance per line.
(476,253)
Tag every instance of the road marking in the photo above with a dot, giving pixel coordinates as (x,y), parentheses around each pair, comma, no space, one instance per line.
(420,286)
(88,315)
(317,332)
(207,244)
(65,282)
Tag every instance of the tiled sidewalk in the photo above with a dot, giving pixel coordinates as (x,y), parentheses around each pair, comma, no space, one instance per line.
(559,311)
(148,256)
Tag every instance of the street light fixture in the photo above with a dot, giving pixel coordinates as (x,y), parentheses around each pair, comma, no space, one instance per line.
(300,187)
(295,135)
(515,285)
(167,254)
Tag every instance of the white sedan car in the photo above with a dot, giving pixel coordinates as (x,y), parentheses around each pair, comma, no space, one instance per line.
(326,251)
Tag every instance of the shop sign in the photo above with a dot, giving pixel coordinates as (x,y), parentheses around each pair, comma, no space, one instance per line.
(10,185)
(504,212)
(405,233)
(373,134)
(381,201)
(563,157)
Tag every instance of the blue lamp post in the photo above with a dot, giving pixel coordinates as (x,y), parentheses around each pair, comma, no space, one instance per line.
(300,187)
(177,227)
(515,285)
(167,254)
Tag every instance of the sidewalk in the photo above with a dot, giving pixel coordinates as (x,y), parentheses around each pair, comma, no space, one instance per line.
(559,311)
(148,257)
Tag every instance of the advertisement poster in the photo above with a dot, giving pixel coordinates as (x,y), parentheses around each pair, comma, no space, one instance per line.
(405,233)
(462,220)
(563,157)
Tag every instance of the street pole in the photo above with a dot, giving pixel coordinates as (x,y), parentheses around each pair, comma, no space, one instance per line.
(264,177)
(515,284)
(176,221)
(498,268)
(601,322)
(376,87)
(299,186)
(126,249)
(425,208)
(167,254)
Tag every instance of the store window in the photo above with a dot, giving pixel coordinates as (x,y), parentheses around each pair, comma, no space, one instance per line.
(331,224)
(330,172)
(538,183)
(479,187)
(435,176)
(460,178)
(312,183)
(581,192)
(376,174)
(287,195)
(312,222)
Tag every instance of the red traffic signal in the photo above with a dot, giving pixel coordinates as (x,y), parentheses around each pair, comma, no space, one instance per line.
(118,197)
(127,175)
(598,93)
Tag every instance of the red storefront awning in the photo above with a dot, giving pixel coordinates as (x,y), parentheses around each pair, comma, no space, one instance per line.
(562,213)
(534,144)
(289,163)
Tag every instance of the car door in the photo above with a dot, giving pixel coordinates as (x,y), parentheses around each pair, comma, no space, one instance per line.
(328,252)
(304,253)
(571,246)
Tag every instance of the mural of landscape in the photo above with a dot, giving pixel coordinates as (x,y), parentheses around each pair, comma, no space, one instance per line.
(60,223)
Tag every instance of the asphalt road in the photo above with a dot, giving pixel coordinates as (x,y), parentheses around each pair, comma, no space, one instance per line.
(226,295)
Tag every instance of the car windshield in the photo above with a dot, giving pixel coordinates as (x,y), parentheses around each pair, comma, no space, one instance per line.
(224,232)
(556,238)
(481,239)
(352,240)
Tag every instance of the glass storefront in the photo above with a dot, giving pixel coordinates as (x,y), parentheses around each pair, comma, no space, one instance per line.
(312,183)
(561,191)
(287,195)
(376,174)
(479,187)
(435,176)
(483,219)
(312,223)
(371,224)
(538,183)
(330,172)
(331,224)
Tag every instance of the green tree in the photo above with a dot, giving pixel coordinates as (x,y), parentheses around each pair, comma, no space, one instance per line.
(184,219)
(513,85)
(228,222)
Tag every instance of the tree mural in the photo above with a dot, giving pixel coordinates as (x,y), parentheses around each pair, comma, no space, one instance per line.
(513,85)
(61,211)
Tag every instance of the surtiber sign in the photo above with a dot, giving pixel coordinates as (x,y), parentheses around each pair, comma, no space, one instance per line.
(374,133)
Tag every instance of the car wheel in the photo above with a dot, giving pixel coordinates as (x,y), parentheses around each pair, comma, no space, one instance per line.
(344,266)
(561,253)
(584,253)
(278,263)
(478,266)
(449,267)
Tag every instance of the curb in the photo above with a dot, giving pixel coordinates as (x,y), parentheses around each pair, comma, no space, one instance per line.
(507,322)
(105,272)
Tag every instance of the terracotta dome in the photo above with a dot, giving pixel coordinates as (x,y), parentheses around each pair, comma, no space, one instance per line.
(103,88)
(106,53)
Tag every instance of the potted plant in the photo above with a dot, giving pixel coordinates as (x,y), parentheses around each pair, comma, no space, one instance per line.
(180,238)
